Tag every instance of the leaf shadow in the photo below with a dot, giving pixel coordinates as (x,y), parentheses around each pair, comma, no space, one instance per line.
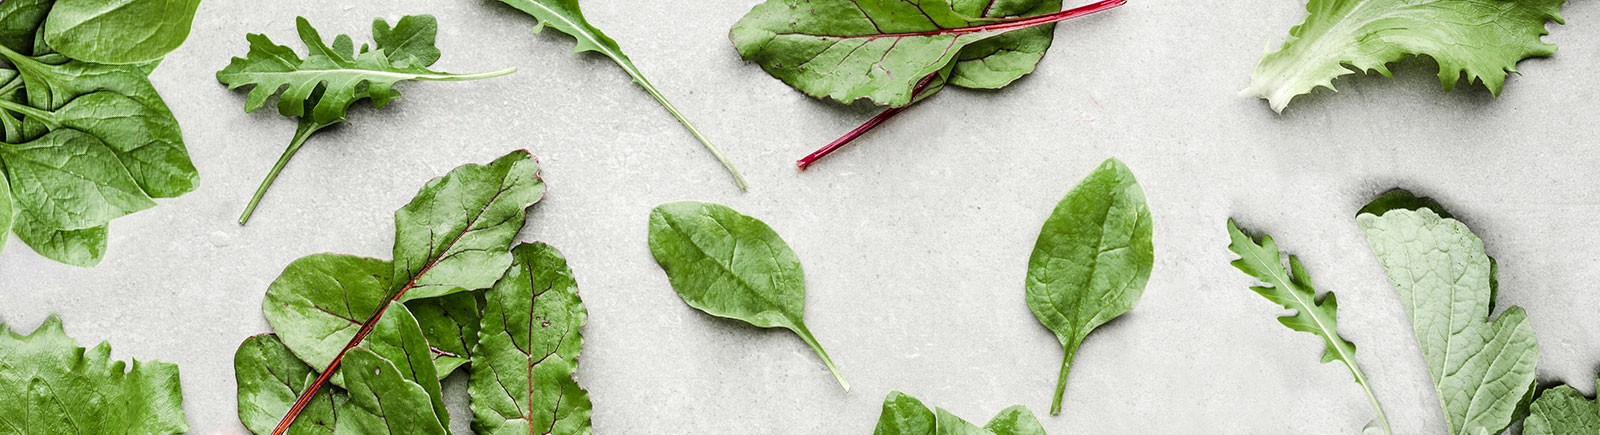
(1413,77)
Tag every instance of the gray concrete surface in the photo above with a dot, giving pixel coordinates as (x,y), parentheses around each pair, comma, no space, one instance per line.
(915,240)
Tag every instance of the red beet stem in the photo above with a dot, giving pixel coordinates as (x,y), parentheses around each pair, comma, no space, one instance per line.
(806,161)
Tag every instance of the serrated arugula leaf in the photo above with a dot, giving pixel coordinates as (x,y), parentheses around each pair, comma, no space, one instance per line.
(522,369)
(733,266)
(1563,411)
(144,30)
(454,236)
(1482,369)
(905,415)
(1292,289)
(566,17)
(49,385)
(1482,40)
(1091,261)
(319,89)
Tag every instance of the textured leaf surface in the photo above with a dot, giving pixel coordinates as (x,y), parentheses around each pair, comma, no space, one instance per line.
(1292,289)
(1563,411)
(1481,39)
(70,180)
(20,21)
(451,325)
(522,370)
(82,248)
(905,415)
(49,385)
(1482,369)
(8,213)
(456,234)
(320,301)
(382,399)
(731,265)
(144,30)
(1091,261)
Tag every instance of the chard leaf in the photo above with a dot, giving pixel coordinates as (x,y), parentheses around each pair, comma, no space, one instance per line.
(144,30)
(381,399)
(49,385)
(70,180)
(1482,369)
(82,248)
(1292,289)
(453,237)
(733,266)
(905,415)
(319,89)
(522,369)
(996,62)
(1091,261)
(451,325)
(1480,39)
(1563,411)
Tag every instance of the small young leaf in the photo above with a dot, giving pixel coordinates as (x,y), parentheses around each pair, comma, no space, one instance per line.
(1482,369)
(1563,411)
(731,265)
(144,30)
(1091,261)
(49,385)
(566,17)
(451,324)
(522,369)
(1483,40)
(1292,289)
(905,415)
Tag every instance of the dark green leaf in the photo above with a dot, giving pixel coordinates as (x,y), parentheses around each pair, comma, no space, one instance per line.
(144,30)
(49,385)
(451,324)
(20,21)
(522,369)
(1563,411)
(905,415)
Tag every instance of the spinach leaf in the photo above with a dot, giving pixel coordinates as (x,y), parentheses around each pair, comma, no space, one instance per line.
(905,415)
(522,369)
(454,236)
(145,138)
(144,30)
(1091,261)
(20,21)
(1292,289)
(8,212)
(71,161)
(734,266)
(49,385)
(566,17)
(319,89)
(82,248)
(1562,411)
(1481,40)
(1483,369)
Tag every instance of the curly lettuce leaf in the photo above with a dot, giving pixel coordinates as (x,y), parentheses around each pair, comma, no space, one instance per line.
(49,386)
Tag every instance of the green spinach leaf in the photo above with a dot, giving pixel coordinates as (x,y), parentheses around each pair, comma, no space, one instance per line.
(49,385)
(319,89)
(905,415)
(522,369)
(144,30)
(1562,411)
(82,248)
(734,266)
(1483,369)
(1292,289)
(71,161)
(1091,261)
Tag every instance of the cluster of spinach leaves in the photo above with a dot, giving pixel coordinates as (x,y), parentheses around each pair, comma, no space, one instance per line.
(87,138)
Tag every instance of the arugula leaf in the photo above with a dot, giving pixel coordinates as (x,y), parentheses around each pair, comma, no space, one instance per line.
(566,17)
(733,266)
(1091,261)
(451,325)
(454,236)
(1562,411)
(1483,370)
(905,415)
(522,379)
(49,385)
(144,30)
(1481,39)
(319,89)
(1293,290)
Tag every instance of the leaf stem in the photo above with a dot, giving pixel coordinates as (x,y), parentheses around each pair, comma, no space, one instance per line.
(638,77)
(465,77)
(805,162)
(805,334)
(1361,378)
(303,132)
(1070,351)
(48,118)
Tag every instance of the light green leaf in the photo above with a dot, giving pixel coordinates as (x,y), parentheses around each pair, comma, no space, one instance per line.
(70,180)
(320,301)
(734,266)
(1091,261)
(566,17)
(49,385)
(8,211)
(451,325)
(383,400)
(1292,289)
(1481,39)
(1563,411)
(397,339)
(144,30)
(996,62)
(146,139)
(1482,369)
(905,415)
(522,369)
(82,248)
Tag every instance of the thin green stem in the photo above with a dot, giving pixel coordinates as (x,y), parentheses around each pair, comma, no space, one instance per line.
(638,77)
(1070,350)
(805,334)
(307,127)
(48,118)
(1361,378)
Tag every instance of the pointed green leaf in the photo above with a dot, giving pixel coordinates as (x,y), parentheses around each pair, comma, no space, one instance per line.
(70,180)
(456,234)
(905,415)
(398,339)
(1563,411)
(522,369)
(734,266)
(8,211)
(82,248)
(996,62)
(269,378)
(383,400)
(49,385)
(1482,369)
(144,30)
(1091,261)
(1483,40)
(320,301)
